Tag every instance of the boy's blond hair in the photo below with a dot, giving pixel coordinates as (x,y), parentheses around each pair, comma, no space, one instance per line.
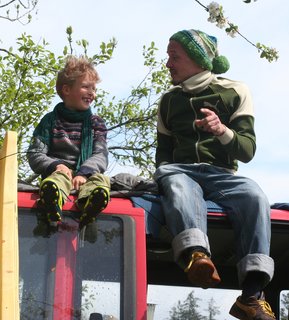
(74,68)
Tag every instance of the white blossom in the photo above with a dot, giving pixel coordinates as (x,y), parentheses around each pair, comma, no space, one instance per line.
(221,22)
(212,19)
(232,33)
(214,9)
(216,15)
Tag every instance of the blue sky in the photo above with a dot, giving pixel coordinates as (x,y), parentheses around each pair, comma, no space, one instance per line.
(137,23)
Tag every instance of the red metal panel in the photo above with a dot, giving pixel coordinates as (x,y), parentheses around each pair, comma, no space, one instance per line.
(65,274)
(141,272)
(115,206)
(280,215)
(276,215)
(66,255)
(124,206)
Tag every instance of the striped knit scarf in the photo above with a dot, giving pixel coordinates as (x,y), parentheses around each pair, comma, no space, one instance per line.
(45,131)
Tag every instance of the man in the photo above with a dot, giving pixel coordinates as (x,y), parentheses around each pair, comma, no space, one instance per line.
(205,126)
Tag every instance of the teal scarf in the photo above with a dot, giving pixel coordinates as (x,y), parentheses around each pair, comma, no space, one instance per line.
(45,130)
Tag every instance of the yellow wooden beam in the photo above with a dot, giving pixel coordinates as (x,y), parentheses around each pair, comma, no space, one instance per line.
(9,252)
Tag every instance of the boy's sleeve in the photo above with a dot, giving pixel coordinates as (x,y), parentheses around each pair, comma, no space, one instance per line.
(37,155)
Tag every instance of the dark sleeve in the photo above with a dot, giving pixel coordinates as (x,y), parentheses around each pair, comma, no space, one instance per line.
(243,145)
(164,150)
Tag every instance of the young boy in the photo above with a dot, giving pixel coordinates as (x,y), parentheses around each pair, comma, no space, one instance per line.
(69,147)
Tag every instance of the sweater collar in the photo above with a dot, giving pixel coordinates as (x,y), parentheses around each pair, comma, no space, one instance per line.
(198,82)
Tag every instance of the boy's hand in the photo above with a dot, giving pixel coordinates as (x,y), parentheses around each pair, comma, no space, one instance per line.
(78,181)
(63,168)
(210,123)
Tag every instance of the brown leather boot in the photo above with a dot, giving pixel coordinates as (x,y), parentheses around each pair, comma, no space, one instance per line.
(252,309)
(201,271)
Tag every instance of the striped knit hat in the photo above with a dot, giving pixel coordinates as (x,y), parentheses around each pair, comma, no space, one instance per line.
(202,48)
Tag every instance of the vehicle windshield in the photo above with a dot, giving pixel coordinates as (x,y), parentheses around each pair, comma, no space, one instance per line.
(71,275)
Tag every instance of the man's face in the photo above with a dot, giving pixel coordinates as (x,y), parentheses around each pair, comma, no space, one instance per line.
(181,66)
(81,94)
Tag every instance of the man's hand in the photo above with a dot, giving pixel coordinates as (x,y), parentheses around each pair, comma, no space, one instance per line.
(78,181)
(211,123)
(63,168)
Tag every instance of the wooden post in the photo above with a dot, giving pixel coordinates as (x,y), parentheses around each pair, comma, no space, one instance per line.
(9,252)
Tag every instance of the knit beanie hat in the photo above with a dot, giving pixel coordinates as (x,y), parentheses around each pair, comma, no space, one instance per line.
(202,48)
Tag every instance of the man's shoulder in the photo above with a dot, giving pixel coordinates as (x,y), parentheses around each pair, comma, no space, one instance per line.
(170,92)
(173,90)
(237,85)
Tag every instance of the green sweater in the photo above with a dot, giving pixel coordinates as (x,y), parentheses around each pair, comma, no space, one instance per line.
(180,141)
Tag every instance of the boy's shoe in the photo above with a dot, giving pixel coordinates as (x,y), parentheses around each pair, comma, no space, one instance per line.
(44,229)
(252,309)
(51,200)
(95,203)
(201,271)
(90,232)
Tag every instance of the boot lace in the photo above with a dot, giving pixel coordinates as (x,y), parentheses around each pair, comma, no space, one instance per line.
(266,308)
(195,256)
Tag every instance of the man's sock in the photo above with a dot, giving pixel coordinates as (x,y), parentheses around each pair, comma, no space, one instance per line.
(253,284)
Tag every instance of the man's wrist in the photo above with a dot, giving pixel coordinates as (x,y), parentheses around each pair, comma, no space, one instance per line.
(222,132)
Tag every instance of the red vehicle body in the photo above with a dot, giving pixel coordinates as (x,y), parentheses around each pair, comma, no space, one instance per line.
(61,276)
(54,288)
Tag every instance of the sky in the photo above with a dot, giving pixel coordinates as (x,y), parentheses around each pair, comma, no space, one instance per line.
(137,23)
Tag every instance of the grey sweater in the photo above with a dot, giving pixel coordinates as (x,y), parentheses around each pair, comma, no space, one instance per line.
(65,149)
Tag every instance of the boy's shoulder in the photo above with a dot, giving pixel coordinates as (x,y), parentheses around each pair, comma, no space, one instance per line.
(49,116)
(95,117)
(97,121)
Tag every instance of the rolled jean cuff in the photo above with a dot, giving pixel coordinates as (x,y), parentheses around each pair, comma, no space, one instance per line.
(256,262)
(187,239)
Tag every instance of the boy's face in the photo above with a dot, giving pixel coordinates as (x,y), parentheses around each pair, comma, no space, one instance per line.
(80,95)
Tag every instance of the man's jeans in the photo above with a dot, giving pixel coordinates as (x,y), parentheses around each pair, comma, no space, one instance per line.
(185,187)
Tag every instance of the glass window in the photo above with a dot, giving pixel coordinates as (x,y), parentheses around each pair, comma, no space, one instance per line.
(170,302)
(100,270)
(94,260)
(37,256)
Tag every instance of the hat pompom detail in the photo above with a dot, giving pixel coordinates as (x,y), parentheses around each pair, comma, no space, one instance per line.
(220,65)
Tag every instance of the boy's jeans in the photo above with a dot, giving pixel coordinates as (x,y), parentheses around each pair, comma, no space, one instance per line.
(185,187)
